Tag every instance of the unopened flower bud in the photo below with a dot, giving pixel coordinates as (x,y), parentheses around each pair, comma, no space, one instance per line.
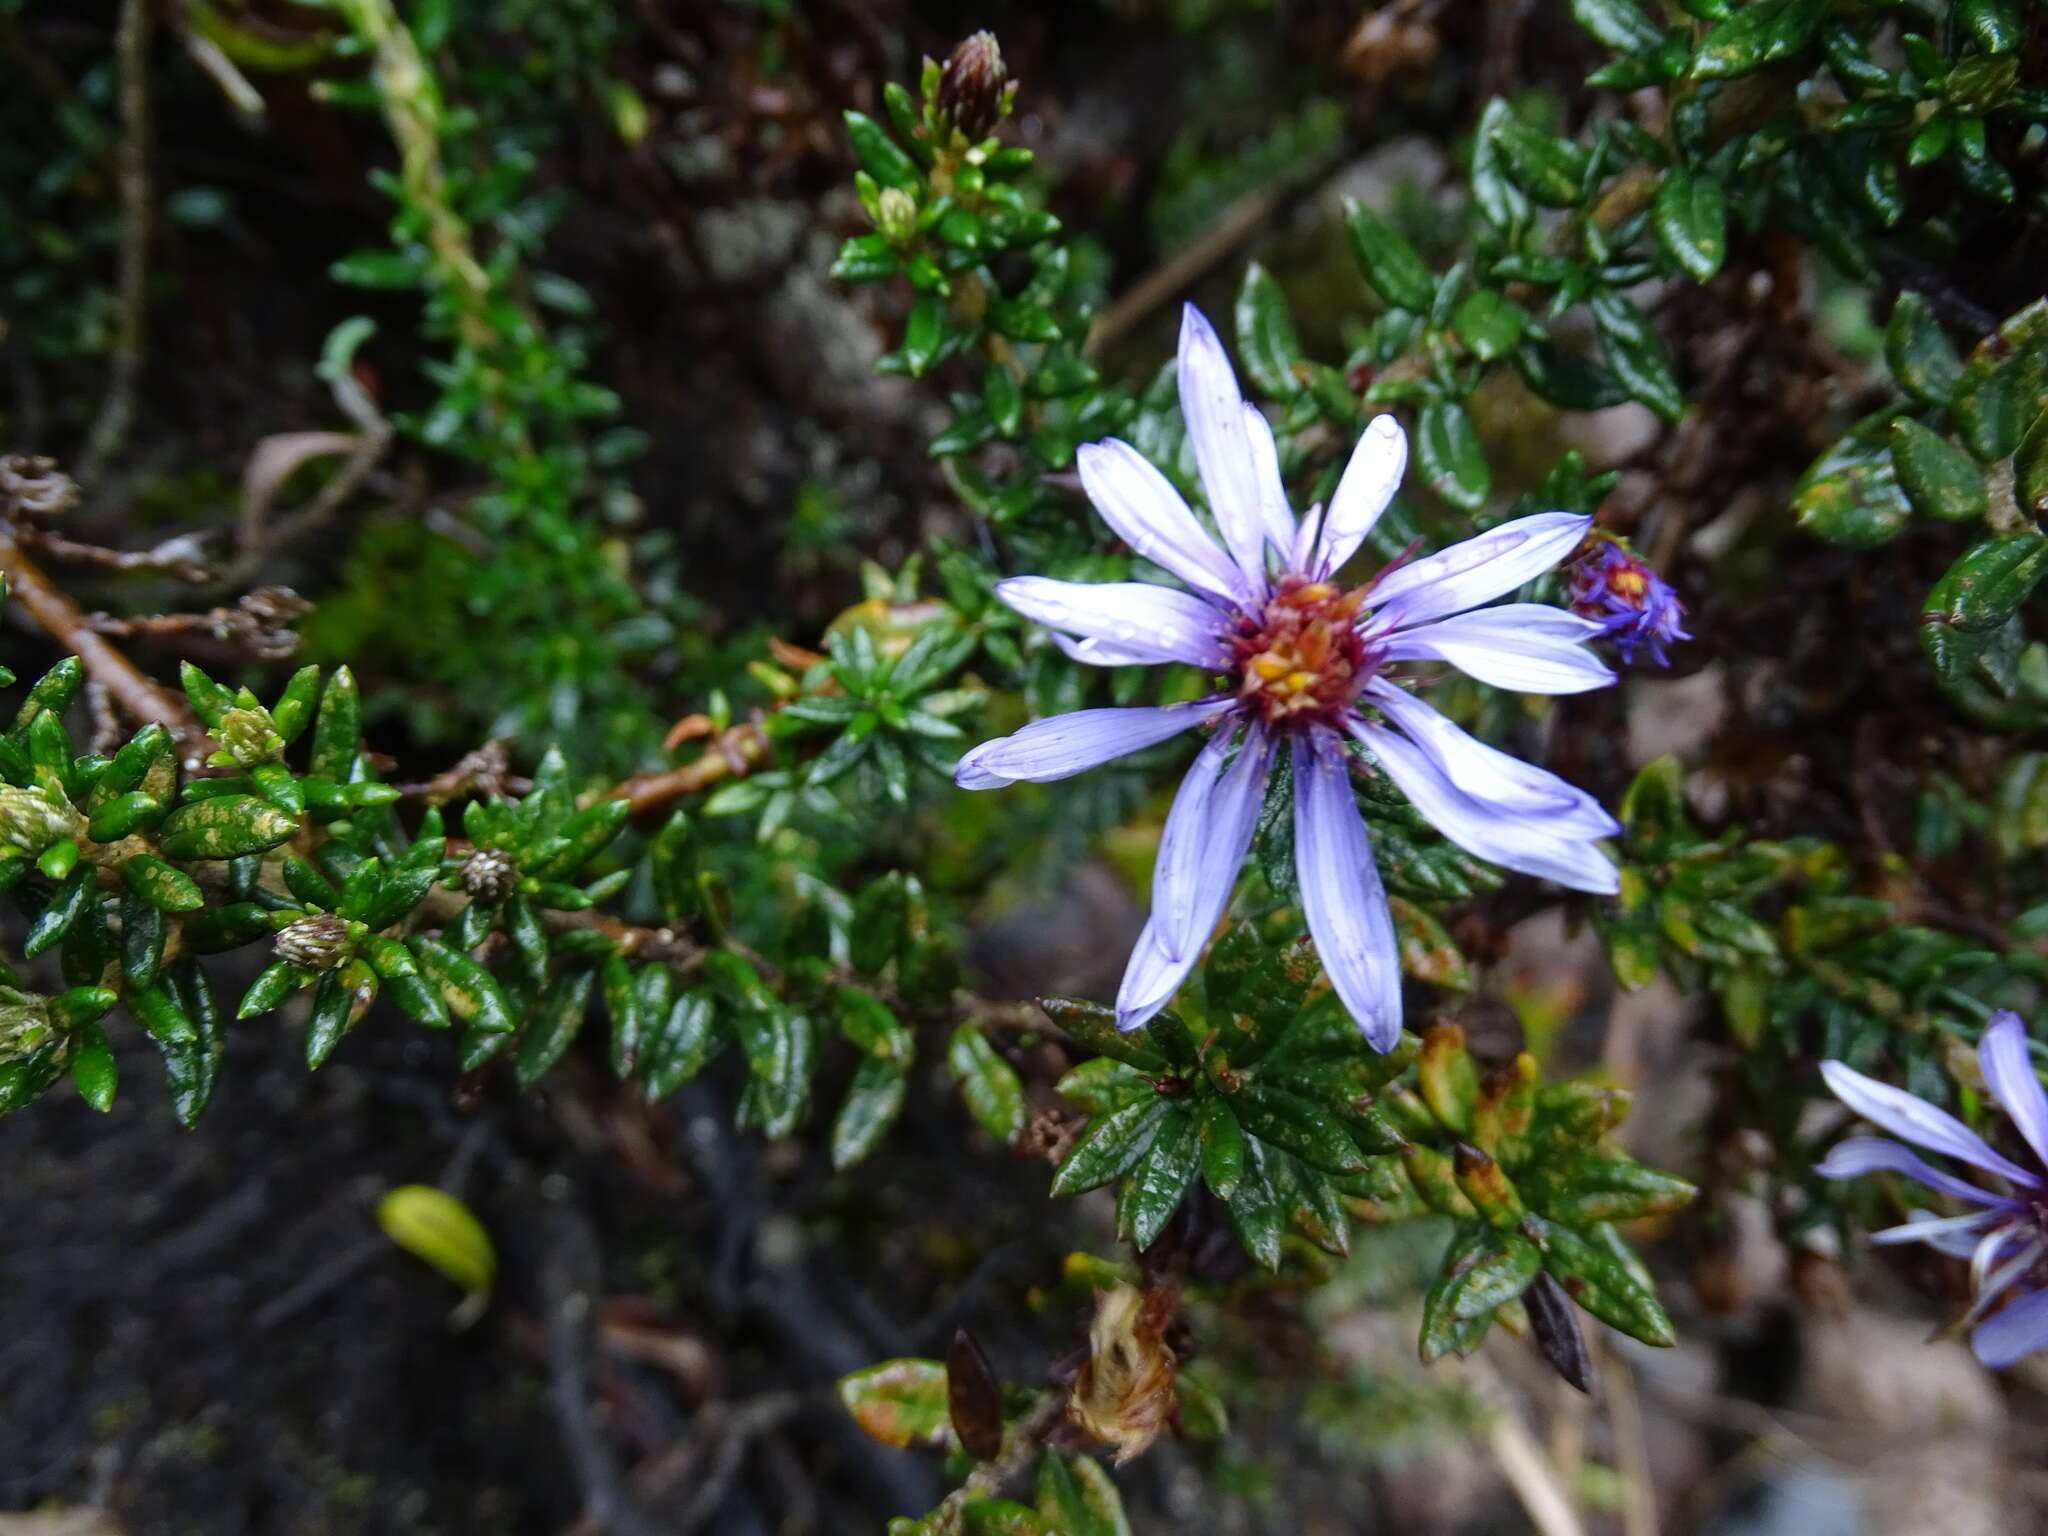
(35,486)
(896,214)
(490,875)
(249,736)
(974,87)
(32,821)
(316,943)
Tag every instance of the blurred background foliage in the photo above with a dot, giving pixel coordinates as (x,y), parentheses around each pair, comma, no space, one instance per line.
(524,484)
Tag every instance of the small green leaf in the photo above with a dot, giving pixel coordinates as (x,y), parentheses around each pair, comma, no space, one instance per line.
(1222,1141)
(1918,350)
(2030,469)
(1110,1147)
(1636,353)
(1482,1270)
(338,729)
(1551,170)
(1298,1125)
(1850,495)
(1690,218)
(1160,1180)
(224,828)
(438,1229)
(995,1096)
(879,156)
(873,1101)
(899,1402)
(1389,262)
(1001,1517)
(1938,478)
(1761,33)
(92,1067)
(1265,334)
(1598,1272)
(1619,24)
(1447,452)
(556,1019)
(1075,1497)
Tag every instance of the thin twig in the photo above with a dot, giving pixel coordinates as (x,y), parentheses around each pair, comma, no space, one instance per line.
(1189,265)
(66,623)
(132,166)
(990,1477)
(1631,1455)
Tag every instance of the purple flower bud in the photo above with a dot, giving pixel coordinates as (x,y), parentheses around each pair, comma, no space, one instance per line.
(973,87)
(1629,601)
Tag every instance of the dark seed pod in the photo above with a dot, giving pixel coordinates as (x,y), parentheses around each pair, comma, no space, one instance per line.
(1554,1322)
(973,1398)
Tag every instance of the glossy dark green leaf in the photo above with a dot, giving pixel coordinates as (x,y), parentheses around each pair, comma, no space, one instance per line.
(470,991)
(1551,170)
(132,812)
(225,828)
(2004,384)
(1256,1210)
(1938,478)
(989,1084)
(1448,454)
(1597,1271)
(878,154)
(1986,586)
(1298,1125)
(142,940)
(1075,1497)
(1636,353)
(1567,379)
(1482,1270)
(1094,1026)
(1761,33)
(1690,218)
(1389,262)
(873,1101)
(92,1067)
(66,905)
(1110,1147)
(1619,24)
(338,729)
(676,1048)
(1222,1147)
(2030,469)
(552,1027)
(1154,1188)
(1265,334)
(1490,324)
(1851,495)
(881,916)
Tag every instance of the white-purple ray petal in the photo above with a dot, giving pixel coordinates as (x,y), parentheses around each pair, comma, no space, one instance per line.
(1855,1156)
(1276,518)
(1108,653)
(2014,1333)
(1214,411)
(1370,480)
(1525,647)
(1144,510)
(1130,615)
(1936,1229)
(2010,1072)
(1151,977)
(1477,571)
(1205,839)
(1341,893)
(1068,744)
(1488,774)
(1902,1114)
(1509,838)
(1969,1242)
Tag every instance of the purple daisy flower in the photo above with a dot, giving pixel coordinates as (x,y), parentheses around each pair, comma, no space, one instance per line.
(1631,603)
(1306,667)
(2005,1237)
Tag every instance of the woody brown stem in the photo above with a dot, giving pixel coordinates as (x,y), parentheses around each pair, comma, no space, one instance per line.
(65,622)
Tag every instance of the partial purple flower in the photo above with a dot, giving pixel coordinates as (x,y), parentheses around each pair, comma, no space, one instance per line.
(1631,603)
(2004,1236)
(1305,668)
